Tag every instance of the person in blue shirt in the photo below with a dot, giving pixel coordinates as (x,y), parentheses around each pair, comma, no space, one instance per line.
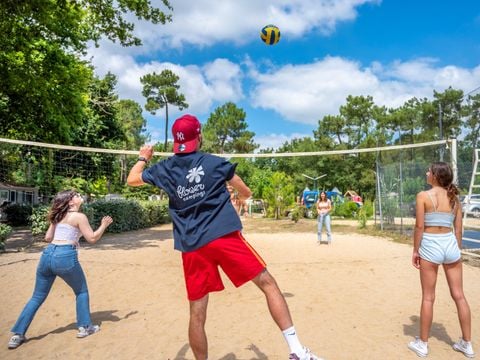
(207,230)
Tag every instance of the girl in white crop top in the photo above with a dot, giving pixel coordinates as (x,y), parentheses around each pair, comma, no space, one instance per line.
(324,206)
(434,244)
(72,224)
(60,258)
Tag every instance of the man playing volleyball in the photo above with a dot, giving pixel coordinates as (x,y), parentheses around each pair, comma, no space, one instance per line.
(206,229)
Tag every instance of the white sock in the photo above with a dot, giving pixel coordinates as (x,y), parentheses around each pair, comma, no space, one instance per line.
(292,340)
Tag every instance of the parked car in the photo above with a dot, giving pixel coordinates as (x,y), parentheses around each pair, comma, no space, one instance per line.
(472,207)
(114,197)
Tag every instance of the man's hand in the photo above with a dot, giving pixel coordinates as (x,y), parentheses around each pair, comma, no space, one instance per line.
(243,190)
(135,175)
(146,151)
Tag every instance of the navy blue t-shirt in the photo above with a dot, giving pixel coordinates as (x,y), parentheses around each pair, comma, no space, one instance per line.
(199,202)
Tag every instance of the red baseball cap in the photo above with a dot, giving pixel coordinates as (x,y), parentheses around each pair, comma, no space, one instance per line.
(186,130)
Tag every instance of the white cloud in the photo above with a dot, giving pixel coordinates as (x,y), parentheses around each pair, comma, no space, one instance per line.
(202,85)
(224,78)
(206,22)
(305,93)
(301,93)
(274,141)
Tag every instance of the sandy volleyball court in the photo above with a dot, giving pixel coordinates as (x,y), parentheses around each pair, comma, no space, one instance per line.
(356,299)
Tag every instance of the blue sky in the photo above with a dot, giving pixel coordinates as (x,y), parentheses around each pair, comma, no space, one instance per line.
(392,50)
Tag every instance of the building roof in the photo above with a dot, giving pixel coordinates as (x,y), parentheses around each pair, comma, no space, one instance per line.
(6,186)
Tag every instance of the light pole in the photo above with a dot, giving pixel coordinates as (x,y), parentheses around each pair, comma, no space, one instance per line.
(440,125)
(314,179)
(165,100)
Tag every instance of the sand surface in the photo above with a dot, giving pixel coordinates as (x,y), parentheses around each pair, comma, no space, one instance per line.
(357,298)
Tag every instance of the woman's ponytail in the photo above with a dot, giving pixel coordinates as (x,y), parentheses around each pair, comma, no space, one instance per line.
(452,193)
(444,175)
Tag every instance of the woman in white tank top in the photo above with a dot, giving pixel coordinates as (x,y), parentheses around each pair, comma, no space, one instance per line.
(324,206)
(60,258)
(435,244)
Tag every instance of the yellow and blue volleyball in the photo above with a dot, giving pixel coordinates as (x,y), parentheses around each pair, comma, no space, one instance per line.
(270,34)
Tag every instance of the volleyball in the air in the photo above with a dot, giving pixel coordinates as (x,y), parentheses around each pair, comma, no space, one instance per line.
(270,34)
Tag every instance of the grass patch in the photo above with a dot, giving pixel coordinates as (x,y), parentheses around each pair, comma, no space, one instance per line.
(393,235)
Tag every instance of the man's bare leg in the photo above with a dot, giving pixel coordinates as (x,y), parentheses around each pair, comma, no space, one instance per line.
(196,328)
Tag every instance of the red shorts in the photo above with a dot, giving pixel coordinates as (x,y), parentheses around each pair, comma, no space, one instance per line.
(232,253)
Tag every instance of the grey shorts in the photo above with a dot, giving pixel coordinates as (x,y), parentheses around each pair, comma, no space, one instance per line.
(439,248)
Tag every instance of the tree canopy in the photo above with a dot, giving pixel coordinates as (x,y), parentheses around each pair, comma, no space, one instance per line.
(48,93)
(160,90)
(44,85)
(226,131)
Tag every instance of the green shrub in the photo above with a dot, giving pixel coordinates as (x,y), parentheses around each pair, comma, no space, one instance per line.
(39,220)
(127,215)
(18,214)
(5,230)
(298,211)
(368,208)
(364,213)
(348,209)
(155,212)
(362,217)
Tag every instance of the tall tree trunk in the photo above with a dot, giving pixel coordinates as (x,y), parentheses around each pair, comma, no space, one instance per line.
(166,126)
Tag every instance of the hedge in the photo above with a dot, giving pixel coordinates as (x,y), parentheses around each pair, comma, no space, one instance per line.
(127,215)
(18,214)
(5,230)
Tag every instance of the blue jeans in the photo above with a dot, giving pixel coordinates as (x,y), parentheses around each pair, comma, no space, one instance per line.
(324,219)
(56,260)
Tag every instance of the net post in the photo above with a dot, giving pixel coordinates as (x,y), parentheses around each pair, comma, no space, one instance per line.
(453,159)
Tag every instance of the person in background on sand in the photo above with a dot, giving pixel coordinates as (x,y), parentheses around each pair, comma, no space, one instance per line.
(244,210)
(434,244)
(324,206)
(206,229)
(233,196)
(60,258)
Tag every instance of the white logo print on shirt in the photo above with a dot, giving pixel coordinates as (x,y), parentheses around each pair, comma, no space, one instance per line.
(195,174)
(195,191)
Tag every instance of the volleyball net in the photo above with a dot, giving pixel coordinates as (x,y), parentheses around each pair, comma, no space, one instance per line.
(400,176)
(33,172)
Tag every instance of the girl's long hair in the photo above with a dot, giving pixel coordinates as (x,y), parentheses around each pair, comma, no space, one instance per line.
(444,175)
(320,197)
(60,206)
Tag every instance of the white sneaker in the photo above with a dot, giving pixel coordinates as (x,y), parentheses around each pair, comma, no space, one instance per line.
(419,347)
(307,355)
(464,347)
(89,330)
(15,341)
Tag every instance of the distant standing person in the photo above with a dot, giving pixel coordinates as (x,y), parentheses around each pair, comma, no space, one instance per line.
(206,229)
(60,258)
(434,244)
(324,206)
